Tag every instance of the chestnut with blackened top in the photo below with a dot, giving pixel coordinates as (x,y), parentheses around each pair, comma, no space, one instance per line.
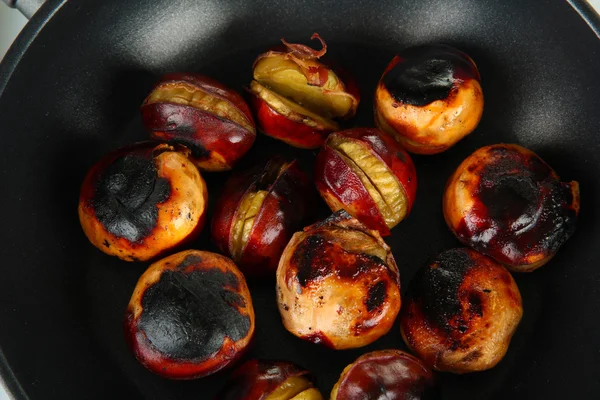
(297,96)
(258,212)
(429,98)
(365,172)
(141,201)
(506,202)
(212,120)
(386,374)
(461,311)
(338,284)
(190,315)
(270,380)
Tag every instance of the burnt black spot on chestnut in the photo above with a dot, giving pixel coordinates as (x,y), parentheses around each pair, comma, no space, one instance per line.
(305,255)
(187,316)
(127,195)
(189,260)
(319,338)
(428,73)
(475,304)
(376,296)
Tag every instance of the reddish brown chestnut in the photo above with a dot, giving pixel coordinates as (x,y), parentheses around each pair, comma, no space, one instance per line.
(461,311)
(507,203)
(258,212)
(366,173)
(141,201)
(190,315)
(429,98)
(210,119)
(297,95)
(338,284)
(386,374)
(270,380)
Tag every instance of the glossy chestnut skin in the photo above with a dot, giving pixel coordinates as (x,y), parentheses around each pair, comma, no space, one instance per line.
(461,311)
(190,315)
(386,374)
(429,97)
(338,284)
(284,191)
(140,201)
(506,202)
(357,164)
(212,120)
(298,94)
(269,380)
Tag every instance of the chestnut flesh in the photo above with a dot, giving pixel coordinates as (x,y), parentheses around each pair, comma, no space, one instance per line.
(338,284)
(386,374)
(258,212)
(190,315)
(461,311)
(212,120)
(429,98)
(506,202)
(365,172)
(141,201)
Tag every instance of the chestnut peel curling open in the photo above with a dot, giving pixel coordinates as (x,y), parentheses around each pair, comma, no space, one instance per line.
(338,284)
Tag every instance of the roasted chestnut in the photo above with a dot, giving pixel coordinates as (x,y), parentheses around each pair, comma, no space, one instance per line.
(190,315)
(213,121)
(270,380)
(385,374)
(338,284)
(506,202)
(258,212)
(365,172)
(297,96)
(429,98)
(142,200)
(461,311)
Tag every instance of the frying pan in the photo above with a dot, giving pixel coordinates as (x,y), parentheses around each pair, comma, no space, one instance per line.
(70,90)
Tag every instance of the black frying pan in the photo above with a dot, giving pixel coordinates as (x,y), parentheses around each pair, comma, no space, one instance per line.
(70,89)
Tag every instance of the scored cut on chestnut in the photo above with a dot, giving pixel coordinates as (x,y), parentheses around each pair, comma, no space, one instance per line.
(142,200)
(270,380)
(365,172)
(212,120)
(429,98)
(190,315)
(386,374)
(461,311)
(297,95)
(257,213)
(506,202)
(338,284)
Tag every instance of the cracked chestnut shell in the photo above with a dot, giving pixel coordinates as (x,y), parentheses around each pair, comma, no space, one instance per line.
(212,120)
(338,284)
(141,201)
(297,96)
(257,213)
(506,202)
(270,380)
(190,315)
(461,311)
(386,374)
(428,98)
(365,172)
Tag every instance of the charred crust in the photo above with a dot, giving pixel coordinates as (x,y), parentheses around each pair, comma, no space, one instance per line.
(376,296)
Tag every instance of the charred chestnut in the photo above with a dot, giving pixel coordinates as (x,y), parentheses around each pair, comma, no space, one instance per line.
(506,202)
(270,380)
(461,312)
(297,96)
(338,284)
(429,98)
(366,173)
(258,212)
(210,119)
(385,374)
(190,315)
(141,201)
